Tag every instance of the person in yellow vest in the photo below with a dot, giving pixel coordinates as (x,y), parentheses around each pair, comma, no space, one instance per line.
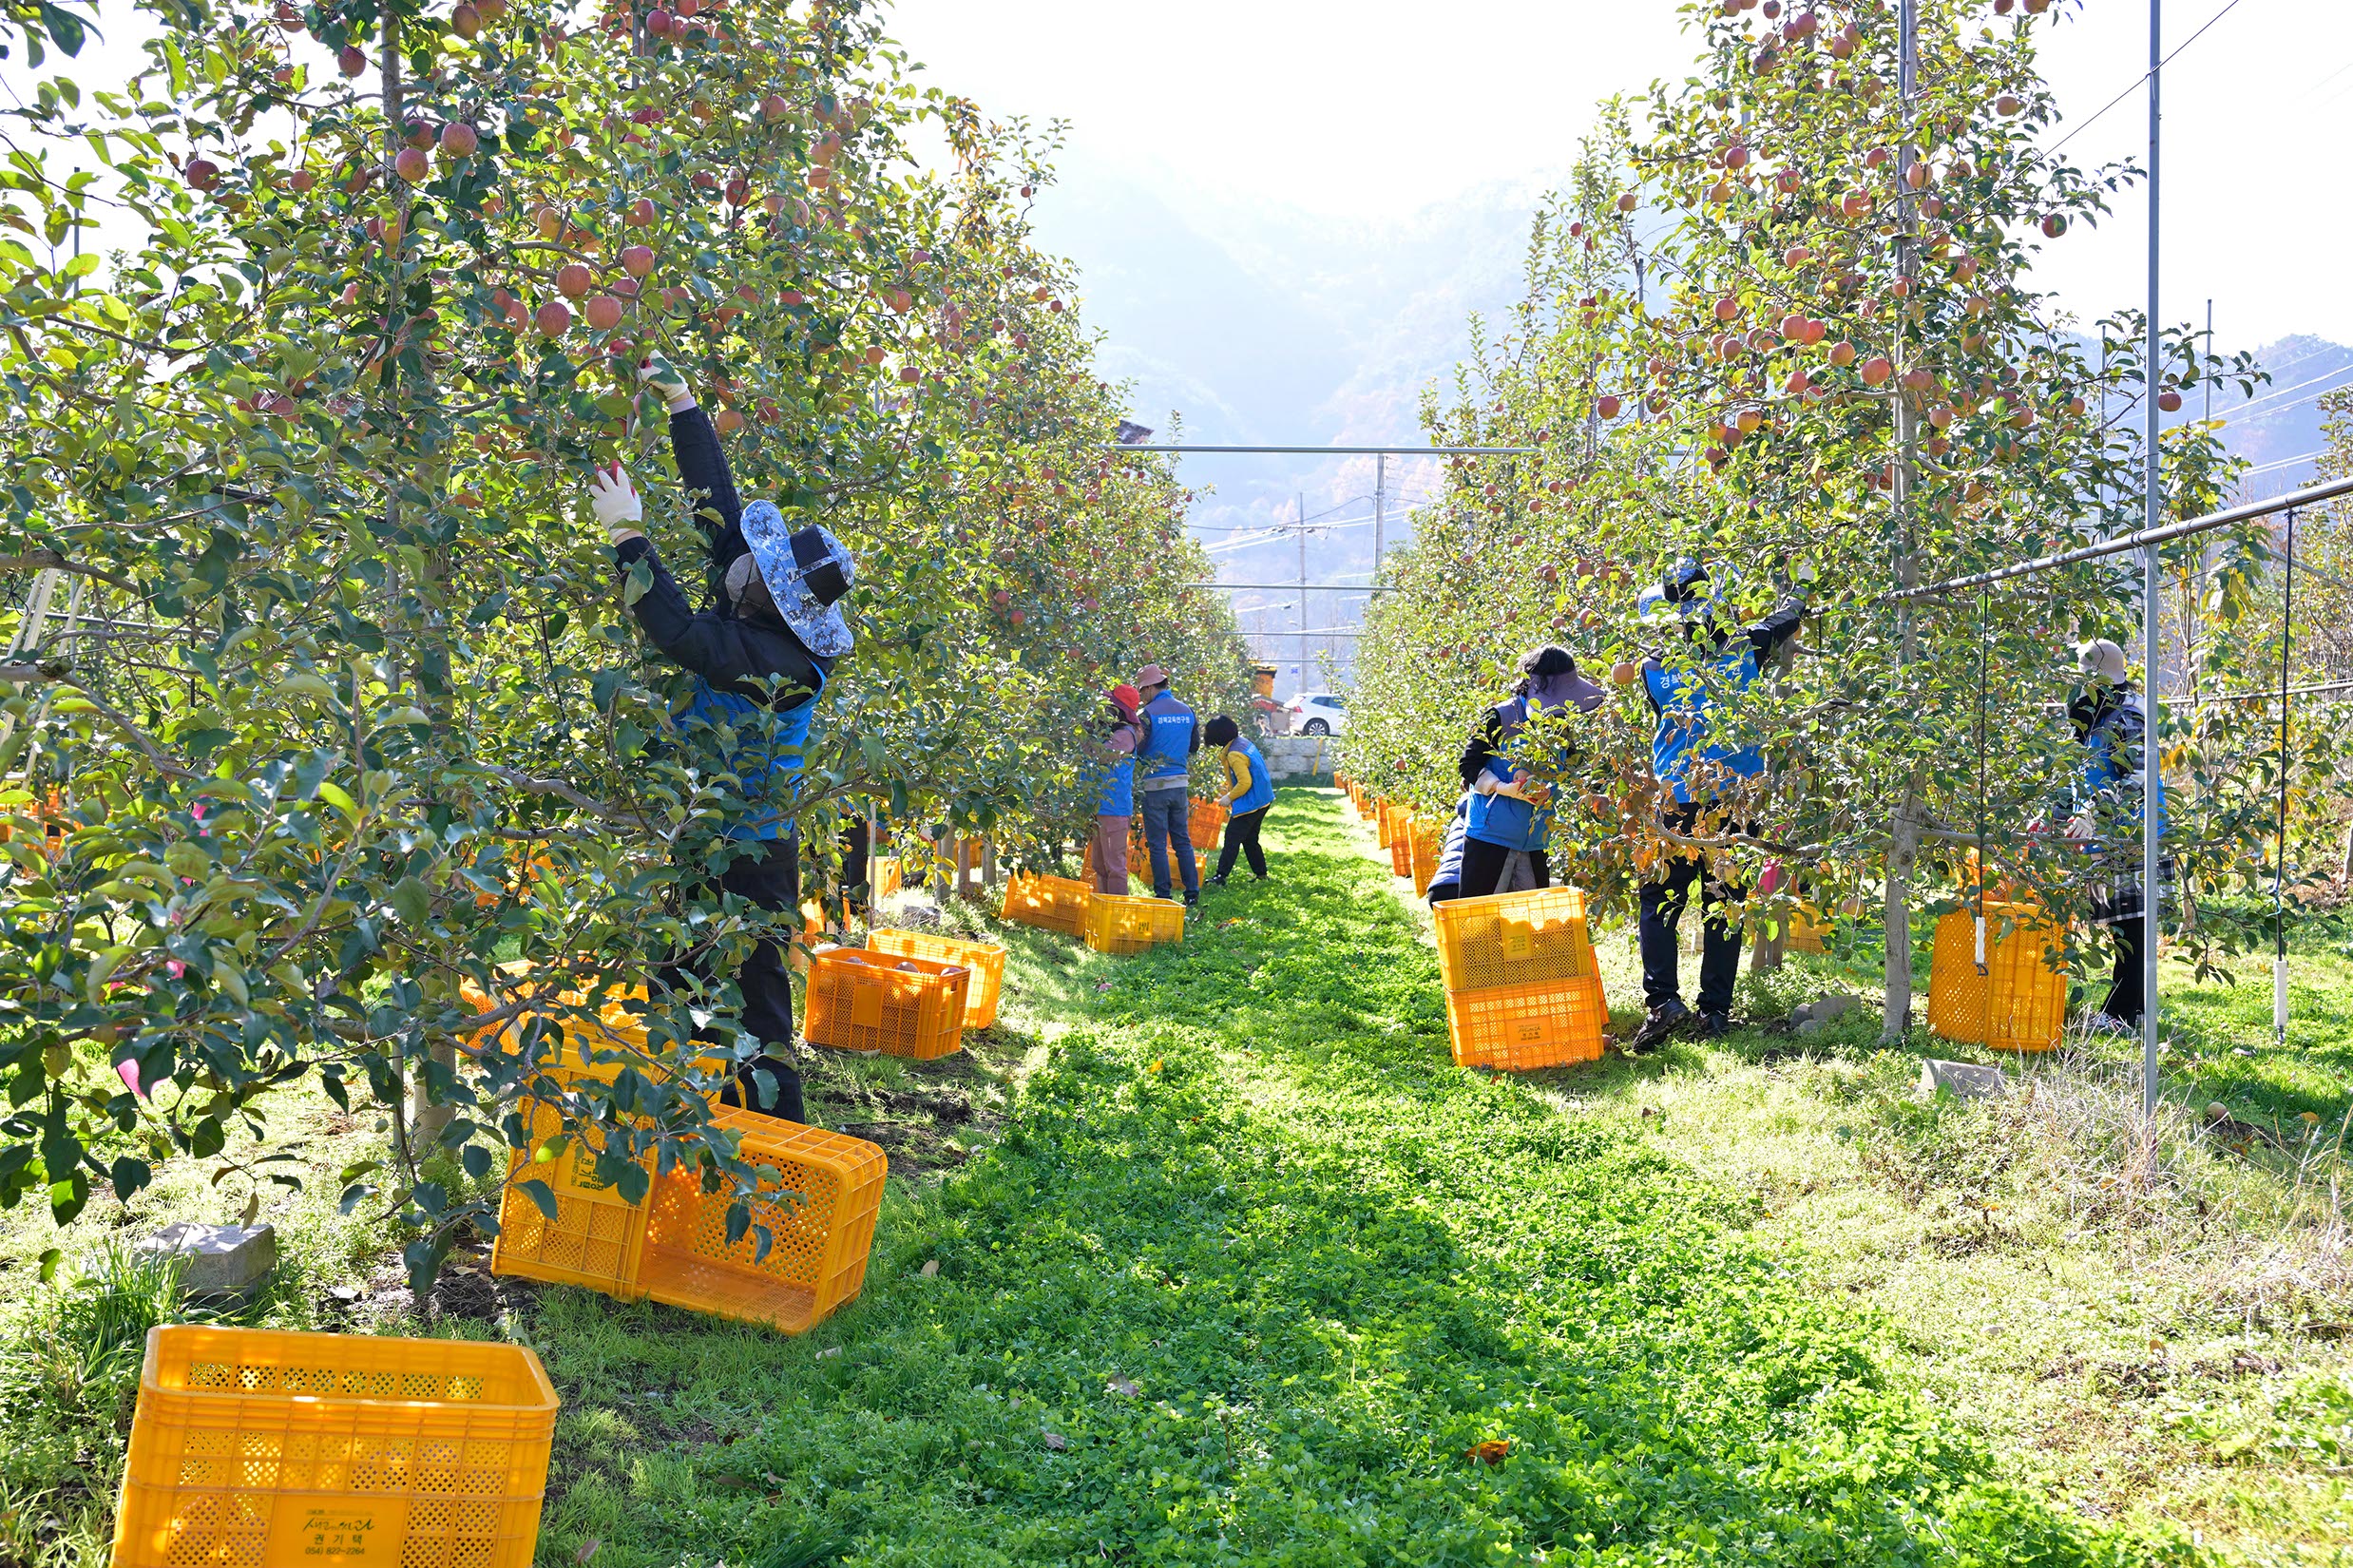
(1249,791)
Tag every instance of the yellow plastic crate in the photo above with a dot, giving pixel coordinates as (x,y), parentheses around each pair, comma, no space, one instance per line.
(1550,1024)
(1116,924)
(820,1234)
(255,1449)
(886,874)
(1368,805)
(1401,841)
(862,1000)
(1049,902)
(984,958)
(1205,822)
(2019,1004)
(594,1238)
(1514,939)
(1428,839)
(1385,823)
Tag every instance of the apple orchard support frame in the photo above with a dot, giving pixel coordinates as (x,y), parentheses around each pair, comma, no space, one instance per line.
(1380,456)
(2148,541)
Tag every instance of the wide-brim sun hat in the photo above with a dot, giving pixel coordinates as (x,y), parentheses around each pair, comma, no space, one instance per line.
(808,572)
(2101,659)
(1151,675)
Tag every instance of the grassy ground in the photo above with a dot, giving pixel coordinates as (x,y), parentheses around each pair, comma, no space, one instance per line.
(1234,1266)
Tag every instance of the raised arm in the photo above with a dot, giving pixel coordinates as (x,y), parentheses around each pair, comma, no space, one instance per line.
(703,467)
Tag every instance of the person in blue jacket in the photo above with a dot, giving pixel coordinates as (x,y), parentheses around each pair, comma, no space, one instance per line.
(1115,799)
(1691,767)
(2113,723)
(1164,777)
(759,655)
(1506,814)
(1250,790)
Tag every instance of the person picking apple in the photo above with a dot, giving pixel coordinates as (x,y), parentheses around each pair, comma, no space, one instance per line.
(2111,720)
(759,657)
(1682,692)
(1499,839)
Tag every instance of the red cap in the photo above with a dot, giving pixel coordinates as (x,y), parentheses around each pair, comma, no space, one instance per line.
(1128,697)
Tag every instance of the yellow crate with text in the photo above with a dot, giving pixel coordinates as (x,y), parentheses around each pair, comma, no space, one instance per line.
(1130,925)
(1513,939)
(984,958)
(886,875)
(1518,1028)
(262,1448)
(595,1237)
(1429,840)
(824,1190)
(1205,820)
(2020,1003)
(1049,902)
(863,1000)
(1401,841)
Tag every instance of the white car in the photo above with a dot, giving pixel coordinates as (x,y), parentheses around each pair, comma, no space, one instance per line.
(1318,713)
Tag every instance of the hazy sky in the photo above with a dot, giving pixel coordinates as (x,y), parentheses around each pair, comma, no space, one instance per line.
(1374,107)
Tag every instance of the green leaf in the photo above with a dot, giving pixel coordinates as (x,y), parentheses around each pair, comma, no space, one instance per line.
(411,900)
(542,1197)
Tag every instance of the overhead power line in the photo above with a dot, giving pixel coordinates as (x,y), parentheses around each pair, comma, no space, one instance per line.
(2139,81)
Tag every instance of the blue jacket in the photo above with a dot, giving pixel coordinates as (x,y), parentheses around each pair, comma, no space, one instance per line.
(1450,873)
(1171,734)
(1117,797)
(2117,738)
(1498,818)
(1261,792)
(1682,698)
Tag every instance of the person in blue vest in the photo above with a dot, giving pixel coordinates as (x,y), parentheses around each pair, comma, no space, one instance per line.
(2113,723)
(1691,770)
(1115,800)
(1250,790)
(1505,814)
(759,657)
(1171,734)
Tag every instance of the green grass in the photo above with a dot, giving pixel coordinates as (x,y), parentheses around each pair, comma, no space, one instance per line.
(1234,1266)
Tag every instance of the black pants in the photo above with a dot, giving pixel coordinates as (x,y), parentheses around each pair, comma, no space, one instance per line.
(770,879)
(1242,838)
(857,863)
(2125,997)
(1663,902)
(1482,869)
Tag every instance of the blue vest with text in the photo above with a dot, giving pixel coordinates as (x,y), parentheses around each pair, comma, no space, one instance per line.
(764,753)
(1168,737)
(1261,792)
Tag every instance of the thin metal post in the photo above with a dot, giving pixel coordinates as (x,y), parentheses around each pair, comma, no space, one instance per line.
(2151,775)
(1380,497)
(1303,593)
(1903,836)
(2279,872)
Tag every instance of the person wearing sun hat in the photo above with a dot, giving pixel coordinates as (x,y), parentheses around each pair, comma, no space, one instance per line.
(759,657)
(2112,721)
(1114,801)
(1171,734)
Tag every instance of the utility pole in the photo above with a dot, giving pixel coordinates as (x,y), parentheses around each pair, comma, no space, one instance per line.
(2151,922)
(1302,592)
(1903,832)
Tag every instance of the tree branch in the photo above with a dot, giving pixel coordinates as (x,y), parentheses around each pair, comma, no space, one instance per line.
(50,561)
(56,674)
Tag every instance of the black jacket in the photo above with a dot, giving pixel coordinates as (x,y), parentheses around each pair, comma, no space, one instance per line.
(735,656)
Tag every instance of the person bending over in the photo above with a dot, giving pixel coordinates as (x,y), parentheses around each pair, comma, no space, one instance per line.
(1250,790)
(1506,815)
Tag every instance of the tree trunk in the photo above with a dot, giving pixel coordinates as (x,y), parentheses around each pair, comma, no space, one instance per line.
(1902,850)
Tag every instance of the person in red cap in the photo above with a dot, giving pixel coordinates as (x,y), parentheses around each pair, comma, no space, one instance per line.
(1116,801)
(1171,734)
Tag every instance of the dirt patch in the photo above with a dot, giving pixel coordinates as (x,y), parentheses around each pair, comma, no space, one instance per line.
(466,1292)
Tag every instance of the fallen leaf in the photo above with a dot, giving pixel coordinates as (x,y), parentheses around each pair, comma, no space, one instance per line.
(1057,1442)
(1227,924)
(930,1268)
(831,1350)
(1155,1066)
(1490,1452)
(587,1549)
(1104,985)
(1122,1387)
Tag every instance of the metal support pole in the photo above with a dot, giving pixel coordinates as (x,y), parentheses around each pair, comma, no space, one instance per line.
(1303,593)
(1904,832)
(1380,496)
(2151,775)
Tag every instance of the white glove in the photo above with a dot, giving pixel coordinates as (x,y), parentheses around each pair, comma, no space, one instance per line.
(1486,784)
(614,502)
(2082,828)
(658,374)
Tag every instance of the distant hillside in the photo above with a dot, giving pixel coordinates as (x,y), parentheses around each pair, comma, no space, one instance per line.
(1264,325)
